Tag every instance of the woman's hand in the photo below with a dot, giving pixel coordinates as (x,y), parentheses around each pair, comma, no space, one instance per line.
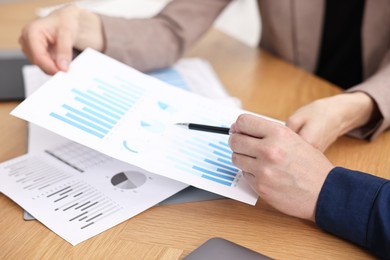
(285,170)
(48,42)
(323,121)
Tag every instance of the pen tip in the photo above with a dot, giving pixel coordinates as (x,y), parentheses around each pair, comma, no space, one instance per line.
(183,124)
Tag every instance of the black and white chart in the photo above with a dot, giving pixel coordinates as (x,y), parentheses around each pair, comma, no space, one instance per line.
(78,192)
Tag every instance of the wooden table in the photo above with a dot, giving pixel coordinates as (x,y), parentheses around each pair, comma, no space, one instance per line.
(266,85)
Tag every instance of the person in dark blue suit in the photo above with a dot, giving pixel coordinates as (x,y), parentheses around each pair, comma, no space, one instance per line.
(297,179)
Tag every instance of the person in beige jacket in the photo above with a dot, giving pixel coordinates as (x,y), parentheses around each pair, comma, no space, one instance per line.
(293,30)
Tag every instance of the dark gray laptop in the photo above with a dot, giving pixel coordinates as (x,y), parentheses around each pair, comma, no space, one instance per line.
(11,77)
(219,248)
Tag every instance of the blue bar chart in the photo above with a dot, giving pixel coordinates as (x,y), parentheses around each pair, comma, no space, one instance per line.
(132,117)
(208,160)
(97,109)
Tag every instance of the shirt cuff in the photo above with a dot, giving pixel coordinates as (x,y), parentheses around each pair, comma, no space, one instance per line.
(345,202)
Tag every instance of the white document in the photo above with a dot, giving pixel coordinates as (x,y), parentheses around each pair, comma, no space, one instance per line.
(50,180)
(116,110)
(78,192)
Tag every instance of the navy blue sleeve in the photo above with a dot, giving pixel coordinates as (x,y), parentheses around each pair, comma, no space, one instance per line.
(356,206)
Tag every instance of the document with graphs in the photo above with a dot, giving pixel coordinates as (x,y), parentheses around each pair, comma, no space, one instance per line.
(78,192)
(120,112)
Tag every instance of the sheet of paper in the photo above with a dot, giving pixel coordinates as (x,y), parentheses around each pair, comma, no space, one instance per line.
(131,117)
(192,74)
(78,192)
(47,148)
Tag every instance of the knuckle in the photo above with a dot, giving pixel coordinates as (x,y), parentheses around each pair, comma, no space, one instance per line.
(266,174)
(281,131)
(275,154)
(293,123)
(260,187)
(241,120)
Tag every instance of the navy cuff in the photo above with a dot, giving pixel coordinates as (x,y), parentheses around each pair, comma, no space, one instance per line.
(345,203)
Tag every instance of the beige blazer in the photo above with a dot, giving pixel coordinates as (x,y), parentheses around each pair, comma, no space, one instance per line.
(291,30)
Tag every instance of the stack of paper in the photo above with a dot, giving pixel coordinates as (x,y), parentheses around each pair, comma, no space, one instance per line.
(130,118)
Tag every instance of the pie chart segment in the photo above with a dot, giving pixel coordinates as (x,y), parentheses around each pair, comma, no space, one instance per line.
(128,180)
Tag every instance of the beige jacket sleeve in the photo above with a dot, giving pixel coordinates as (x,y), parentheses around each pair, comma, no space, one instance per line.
(157,42)
(378,88)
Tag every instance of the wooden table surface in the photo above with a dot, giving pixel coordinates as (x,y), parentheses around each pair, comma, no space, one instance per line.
(265,85)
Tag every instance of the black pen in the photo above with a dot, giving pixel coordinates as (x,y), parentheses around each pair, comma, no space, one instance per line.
(206,128)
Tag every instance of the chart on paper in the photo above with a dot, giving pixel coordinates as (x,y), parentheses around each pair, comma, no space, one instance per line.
(211,161)
(97,109)
(78,192)
(131,117)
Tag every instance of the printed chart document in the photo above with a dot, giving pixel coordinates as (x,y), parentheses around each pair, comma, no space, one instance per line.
(192,74)
(78,192)
(116,110)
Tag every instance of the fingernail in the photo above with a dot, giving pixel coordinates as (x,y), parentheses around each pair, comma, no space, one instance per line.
(63,65)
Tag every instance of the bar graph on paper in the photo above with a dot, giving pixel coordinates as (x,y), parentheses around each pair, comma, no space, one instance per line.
(96,110)
(131,117)
(80,203)
(208,160)
(99,108)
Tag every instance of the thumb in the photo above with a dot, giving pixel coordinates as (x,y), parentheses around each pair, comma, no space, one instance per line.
(296,121)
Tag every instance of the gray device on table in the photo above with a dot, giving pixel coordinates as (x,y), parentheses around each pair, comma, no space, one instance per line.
(11,77)
(220,248)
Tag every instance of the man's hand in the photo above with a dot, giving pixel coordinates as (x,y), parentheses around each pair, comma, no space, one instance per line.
(285,170)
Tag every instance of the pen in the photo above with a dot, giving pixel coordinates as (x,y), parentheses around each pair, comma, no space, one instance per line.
(206,128)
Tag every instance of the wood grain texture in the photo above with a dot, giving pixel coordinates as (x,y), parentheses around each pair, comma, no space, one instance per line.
(265,85)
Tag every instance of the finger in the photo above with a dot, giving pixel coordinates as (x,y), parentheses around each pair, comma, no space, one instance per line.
(296,122)
(36,47)
(245,163)
(307,132)
(254,126)
(311,135)
(232,128)
(245,144)
(64,45)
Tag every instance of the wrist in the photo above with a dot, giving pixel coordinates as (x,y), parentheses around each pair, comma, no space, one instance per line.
(357,110)
(90,32)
